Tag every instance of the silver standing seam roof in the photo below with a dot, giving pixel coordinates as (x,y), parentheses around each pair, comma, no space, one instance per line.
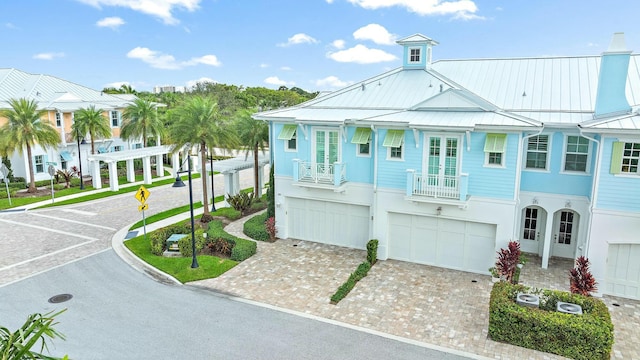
(53,93)
(468,94)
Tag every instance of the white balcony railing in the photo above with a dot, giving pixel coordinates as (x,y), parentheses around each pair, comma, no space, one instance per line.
(437,186)
(304,171)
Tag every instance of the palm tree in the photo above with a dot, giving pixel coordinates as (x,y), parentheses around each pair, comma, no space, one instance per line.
(198,122)
(38,328)
(24,129)
(91,121)
(140,119)
(254,136)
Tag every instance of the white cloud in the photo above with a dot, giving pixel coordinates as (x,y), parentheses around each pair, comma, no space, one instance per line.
(48,56)
(165,61)
(300,38)
(331,81)
(192,83)
(264,66)
(462,9)
(158,8)
(362,55)
(285,68)
(10,26)
(111,22)
(338,44)
(274,80)
(376,33)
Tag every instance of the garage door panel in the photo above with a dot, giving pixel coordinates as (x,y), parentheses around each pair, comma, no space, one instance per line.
(623,270)
(328,222)
(442,242)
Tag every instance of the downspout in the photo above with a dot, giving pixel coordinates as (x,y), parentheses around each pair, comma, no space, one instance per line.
(594,188)
(516,194)
(375,181)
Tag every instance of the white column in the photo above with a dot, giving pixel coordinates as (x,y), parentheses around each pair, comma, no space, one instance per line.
(131,171)
(95,174)
(548,240)
(175,163)
(260,179)
(159,166)
(146,169)
(236,183)
(195,160)
(113,176)
(228,186)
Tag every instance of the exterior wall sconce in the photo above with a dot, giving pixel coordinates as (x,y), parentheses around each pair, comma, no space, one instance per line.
(439,211)
(534,201)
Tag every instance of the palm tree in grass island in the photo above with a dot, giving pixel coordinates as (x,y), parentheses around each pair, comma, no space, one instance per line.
(197,122)
(254,137)
(24,129)
(93,122)
(140,120)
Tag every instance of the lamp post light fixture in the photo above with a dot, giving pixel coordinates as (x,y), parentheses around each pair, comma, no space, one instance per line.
(80,164)
(180,183)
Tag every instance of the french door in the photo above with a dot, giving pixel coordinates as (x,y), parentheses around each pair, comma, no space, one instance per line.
(565,234)
(442,164)
(327,151)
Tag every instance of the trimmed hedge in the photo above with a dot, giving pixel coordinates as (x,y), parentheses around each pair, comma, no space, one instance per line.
(255,229)
(242,248)
(158,238)
(372,251)
(587,336)
(185,246)
(356,276)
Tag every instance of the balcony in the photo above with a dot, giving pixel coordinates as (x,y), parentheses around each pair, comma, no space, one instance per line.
(322,175)
(437,188)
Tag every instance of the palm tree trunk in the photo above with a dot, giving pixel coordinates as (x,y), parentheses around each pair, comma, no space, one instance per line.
(32,180)
(255,171)
(206,215)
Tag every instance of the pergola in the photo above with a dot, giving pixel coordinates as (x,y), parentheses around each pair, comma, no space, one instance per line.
(231,167)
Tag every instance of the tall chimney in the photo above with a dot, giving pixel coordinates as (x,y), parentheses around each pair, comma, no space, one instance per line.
(611,97)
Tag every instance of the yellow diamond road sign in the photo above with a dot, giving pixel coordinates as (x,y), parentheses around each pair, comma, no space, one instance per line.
(142,194)
(143,207)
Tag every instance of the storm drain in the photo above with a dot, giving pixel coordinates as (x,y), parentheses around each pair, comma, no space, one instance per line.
(60,298)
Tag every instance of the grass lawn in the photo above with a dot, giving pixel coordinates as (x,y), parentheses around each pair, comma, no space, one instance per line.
(180,267)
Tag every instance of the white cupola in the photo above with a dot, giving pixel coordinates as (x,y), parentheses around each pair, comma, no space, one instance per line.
(417,51)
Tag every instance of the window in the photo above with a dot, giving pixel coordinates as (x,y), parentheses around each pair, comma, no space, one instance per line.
(118,148)
(576,154)
(625,158)
(414,55)
(39,163)
(288,134)
(115,118)
(58,119)
(63,163)
(537,148)
(395,152)
(393,141)
(65,157)
(495,146)
(362,138)
(137,146)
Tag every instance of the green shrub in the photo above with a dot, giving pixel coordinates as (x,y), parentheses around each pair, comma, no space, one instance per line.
(372,251)
(242,248)
(241,201)
(586,336)
(344,289)
(185,243)
(271,198)
(158,241)
(255,229)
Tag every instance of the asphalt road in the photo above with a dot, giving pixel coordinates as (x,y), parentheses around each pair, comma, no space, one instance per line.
(119,313)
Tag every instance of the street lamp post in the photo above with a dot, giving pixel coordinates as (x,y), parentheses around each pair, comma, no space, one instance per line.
(180,183)
(80,164)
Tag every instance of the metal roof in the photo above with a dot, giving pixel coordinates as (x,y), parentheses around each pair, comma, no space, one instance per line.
(53,93)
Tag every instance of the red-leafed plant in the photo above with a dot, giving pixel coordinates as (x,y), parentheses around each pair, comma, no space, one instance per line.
(508,260)
(270,226)
(581,280)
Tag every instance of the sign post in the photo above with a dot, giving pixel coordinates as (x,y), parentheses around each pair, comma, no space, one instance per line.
(5,176)
(142,194)
(52,171)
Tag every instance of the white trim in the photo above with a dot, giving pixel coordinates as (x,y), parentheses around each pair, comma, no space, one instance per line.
(495,166)
(363,155)
(286,143)
(420,55)
(587,170)
(548,152)
(402,151)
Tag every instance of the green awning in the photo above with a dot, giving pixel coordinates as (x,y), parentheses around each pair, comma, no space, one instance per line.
(394,138)
(495,143)
(362,136)
(66,156)
(287,132)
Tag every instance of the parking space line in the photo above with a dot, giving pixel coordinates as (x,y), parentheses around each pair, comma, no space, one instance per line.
(72,221)
(46,255)
(48,229)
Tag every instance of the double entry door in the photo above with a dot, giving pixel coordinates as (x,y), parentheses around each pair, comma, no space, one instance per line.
(442,165)
(326,152)
(564,231)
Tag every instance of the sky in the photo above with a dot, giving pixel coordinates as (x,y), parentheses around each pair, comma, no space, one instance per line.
(316,45)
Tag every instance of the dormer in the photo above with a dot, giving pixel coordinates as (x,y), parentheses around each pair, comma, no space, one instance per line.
(417,51)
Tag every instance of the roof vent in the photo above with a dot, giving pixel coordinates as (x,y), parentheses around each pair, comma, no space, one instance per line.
(441,87)
(524,93)
(528,300)
(569,308)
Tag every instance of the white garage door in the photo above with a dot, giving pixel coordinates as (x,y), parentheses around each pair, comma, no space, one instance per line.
(454,244)
(328,222)
(623,271)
